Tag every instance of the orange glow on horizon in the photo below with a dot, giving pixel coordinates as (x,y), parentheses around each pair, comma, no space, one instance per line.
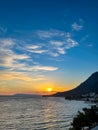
(41,91)
(16,82)
(41,88)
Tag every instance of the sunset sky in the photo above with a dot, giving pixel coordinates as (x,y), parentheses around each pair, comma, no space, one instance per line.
(47,45)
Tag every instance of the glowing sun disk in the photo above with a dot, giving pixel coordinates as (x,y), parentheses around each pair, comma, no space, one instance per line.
(49,89)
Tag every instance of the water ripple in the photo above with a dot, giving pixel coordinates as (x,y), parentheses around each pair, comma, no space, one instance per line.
(38,113)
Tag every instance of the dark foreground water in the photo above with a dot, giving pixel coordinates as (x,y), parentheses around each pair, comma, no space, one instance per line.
(38,113)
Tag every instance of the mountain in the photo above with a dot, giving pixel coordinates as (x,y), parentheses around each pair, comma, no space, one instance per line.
(89,85)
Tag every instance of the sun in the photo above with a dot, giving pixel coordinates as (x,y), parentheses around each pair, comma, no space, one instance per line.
(49,89)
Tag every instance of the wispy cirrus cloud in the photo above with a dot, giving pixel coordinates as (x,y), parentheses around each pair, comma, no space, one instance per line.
(17,55)
(27,68)
(58,46)
(6,42)
(49,33)
(8,58)
(12,61)
(44,68)
(35,49)
(62,49)
(70,43)
(56,42)
(77,27)
(20,76)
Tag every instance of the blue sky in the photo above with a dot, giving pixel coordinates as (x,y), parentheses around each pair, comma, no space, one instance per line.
(46,43)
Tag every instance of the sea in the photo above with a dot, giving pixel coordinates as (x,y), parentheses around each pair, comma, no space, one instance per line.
(38,113)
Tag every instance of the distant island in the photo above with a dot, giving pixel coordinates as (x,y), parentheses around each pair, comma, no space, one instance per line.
(21,95)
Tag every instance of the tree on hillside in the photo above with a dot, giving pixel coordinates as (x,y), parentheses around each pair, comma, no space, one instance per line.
(86,118)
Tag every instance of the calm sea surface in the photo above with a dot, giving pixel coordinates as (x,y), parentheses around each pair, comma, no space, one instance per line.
(38,113)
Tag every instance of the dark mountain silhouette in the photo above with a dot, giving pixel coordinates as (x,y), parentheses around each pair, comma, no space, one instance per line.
(90,85)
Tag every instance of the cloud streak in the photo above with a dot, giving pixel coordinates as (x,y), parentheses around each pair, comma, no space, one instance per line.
(8,58)
(56,43)
(77,27)
(46,34)
(35,49)
(44,68)
(19,56)
(20,76)
(12,61)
